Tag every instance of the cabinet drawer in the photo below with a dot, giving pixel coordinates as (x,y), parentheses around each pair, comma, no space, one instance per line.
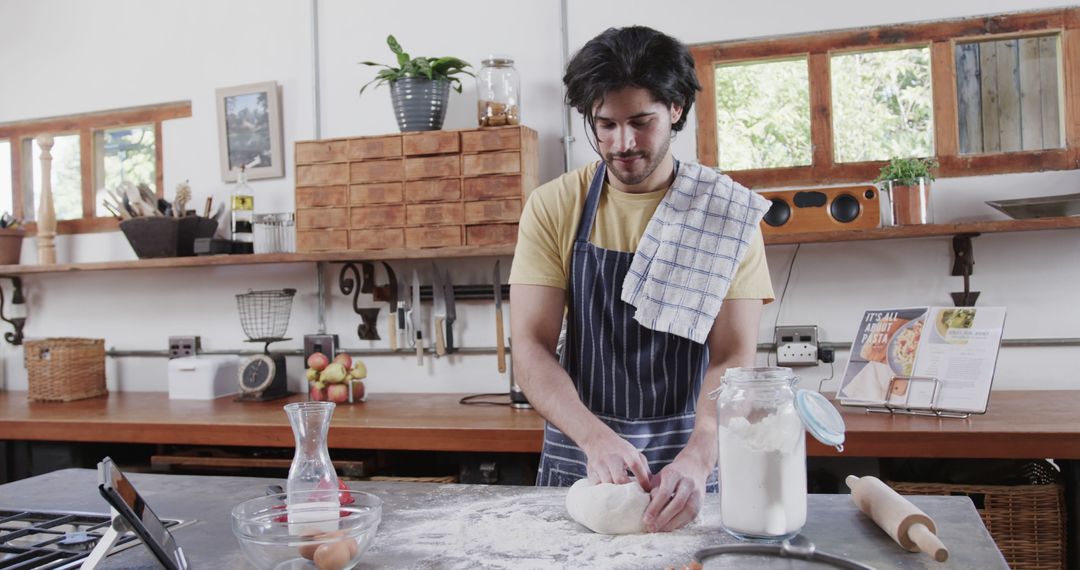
(377,171)
(377,239)
(483,140)
(374,147)
(377,217)
(314,196)
(433,236)
(488,187)
(432,167)
(321,240)
(322,174)
(434,142)
(492,211)
(491,234)
(440,190)
(320,151)
(491,163)
(311,218)
(383,193)
(434,214)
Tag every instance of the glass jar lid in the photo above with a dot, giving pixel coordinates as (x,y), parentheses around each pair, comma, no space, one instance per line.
(497,59)
(820,418)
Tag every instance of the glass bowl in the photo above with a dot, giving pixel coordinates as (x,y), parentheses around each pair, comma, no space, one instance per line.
(309,534)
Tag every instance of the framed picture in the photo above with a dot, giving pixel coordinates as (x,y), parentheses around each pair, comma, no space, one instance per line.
(249,131)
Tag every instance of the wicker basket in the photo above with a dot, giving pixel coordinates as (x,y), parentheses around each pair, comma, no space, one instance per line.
(65,369)
(1026,521)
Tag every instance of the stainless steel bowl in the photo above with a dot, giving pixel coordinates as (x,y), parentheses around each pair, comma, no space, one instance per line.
(1040,207)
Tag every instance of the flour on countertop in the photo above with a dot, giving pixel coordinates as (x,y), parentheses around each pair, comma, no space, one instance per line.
(462,524)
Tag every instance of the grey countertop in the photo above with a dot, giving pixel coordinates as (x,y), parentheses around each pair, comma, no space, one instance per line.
(476,526)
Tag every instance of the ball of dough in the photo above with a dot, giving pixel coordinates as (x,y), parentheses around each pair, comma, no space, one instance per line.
(608,508)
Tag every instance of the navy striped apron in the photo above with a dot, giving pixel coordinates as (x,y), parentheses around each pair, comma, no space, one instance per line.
(643,384)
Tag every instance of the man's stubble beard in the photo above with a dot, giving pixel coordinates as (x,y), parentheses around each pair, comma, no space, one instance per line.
(654,163)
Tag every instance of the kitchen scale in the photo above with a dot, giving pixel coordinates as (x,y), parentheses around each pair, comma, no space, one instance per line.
(264,315)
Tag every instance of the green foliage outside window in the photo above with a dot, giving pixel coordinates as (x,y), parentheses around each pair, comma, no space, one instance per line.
(128,155)
(66,177)
(882,105)
(763,115)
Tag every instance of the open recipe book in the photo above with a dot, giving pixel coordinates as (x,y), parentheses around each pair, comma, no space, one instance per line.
(928,358)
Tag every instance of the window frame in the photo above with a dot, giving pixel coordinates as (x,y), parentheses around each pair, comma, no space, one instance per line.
(942,37)
(84,125)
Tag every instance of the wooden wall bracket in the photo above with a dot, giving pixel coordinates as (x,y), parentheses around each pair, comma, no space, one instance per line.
(964,265)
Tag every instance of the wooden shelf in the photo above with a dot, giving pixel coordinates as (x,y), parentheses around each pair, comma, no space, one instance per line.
(928,230)
(263,258)
(898,232)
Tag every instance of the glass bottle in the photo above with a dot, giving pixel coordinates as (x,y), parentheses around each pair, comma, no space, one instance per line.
(762,454)
(312,487)
(243,209)
(498,92)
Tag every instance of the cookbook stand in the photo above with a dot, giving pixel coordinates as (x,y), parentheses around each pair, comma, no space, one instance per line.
(926,391)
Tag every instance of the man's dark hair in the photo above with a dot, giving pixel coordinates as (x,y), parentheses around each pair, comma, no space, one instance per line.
(635,56)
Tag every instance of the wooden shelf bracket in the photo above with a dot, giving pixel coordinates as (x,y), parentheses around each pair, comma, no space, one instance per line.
(964,265)
(16,312)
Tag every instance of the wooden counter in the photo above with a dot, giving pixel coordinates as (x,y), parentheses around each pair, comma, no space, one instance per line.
(1018,425)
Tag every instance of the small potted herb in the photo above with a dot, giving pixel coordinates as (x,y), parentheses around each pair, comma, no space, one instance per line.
(419,87)
(906,181)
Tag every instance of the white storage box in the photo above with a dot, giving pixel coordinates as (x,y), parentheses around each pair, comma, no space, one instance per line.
(203,377)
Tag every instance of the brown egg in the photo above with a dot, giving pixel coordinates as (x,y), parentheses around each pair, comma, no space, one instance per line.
(308,550)
(332,556)
(353,547)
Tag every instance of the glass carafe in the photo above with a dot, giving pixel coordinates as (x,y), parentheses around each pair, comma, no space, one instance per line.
(311,475)
(762,454)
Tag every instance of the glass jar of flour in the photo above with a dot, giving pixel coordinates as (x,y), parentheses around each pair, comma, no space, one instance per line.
(762,450)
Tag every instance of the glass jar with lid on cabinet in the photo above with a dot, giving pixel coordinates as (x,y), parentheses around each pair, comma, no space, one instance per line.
(498,92)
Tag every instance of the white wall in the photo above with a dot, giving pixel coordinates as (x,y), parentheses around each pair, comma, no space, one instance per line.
(183,50)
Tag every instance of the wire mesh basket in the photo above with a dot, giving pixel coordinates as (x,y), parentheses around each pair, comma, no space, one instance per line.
(265,314)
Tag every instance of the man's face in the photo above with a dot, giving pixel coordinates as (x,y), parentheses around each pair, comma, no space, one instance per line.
(633,133)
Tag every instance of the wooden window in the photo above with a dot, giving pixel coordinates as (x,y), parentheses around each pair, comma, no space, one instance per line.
(91,151)
(984,95)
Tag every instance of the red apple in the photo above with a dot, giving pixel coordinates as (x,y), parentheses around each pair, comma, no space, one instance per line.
(338,393)
(344,359)
(317,361)
(317,392)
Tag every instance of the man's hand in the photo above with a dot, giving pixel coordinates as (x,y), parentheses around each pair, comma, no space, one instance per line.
(610,456)
(677,494)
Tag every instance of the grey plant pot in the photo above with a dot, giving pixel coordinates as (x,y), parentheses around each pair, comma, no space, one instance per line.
(419,104)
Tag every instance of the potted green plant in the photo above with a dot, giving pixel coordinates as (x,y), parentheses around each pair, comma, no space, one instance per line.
(906,183)
(419,87)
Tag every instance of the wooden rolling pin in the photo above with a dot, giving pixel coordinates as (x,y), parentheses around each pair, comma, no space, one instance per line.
(903,521)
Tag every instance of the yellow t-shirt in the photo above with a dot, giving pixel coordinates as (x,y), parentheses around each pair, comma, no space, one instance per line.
(549,224)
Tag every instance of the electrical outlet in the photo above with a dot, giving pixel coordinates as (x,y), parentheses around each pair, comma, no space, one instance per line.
(180,346)
(797,345)
(324,343)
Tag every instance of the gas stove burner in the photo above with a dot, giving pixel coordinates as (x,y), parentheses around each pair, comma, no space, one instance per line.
(78,541)
(50,540)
